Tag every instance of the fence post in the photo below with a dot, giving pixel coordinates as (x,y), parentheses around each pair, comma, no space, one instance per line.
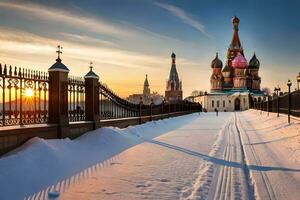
(169,109)
(278,98)
(151,109)
(268,104)
(289,84)
(92,98)
(140,110)
(162,109)
(58,96)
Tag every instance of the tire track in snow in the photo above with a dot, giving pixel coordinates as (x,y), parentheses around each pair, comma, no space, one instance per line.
(221,181)
(265,180)
(204,182)
(250,188)
(231,180)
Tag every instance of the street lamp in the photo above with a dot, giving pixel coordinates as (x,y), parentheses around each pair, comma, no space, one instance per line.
(277,89)
(268,101)
(289,84)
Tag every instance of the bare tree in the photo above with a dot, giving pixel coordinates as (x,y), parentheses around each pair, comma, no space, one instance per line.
(267,91)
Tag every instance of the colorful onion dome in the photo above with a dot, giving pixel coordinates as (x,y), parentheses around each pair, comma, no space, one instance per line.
(254,62)
(239,61)
(216,63)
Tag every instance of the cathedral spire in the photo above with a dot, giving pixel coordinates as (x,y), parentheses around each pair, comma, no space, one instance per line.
(146,83)
(235,42)
(235,46)
(173,56)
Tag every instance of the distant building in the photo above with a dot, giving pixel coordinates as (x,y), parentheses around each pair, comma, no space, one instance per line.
(146,96)
(190,98)
(174,85)
(236,85)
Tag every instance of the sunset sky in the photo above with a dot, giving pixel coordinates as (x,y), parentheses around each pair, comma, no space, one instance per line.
(127,39)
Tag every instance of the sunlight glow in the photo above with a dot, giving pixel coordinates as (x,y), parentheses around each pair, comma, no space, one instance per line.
(29,93)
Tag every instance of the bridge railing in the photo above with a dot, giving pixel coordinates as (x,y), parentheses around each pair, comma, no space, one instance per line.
(280,104)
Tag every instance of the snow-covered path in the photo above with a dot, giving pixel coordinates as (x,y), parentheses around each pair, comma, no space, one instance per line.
(243,155)
(231,157)
(168,167)
(201,160)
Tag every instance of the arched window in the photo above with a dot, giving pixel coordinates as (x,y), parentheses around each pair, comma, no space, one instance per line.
(259,99)
(212,103)
(224,104)
(218,104)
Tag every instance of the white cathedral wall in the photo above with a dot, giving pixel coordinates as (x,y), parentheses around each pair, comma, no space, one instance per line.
(210,102)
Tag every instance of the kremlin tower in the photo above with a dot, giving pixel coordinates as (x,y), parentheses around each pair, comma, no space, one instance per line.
(146,91)
(174,85)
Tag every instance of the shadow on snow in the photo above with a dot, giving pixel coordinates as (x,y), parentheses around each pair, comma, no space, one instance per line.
(222,161)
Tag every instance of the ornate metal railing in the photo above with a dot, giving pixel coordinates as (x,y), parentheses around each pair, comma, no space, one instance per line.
(24,96)
(281,104)
(112,106)
(76,99)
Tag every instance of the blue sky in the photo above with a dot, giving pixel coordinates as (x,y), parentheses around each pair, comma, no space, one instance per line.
(127,39)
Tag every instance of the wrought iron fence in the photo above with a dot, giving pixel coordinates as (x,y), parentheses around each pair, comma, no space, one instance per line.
(24,96)
(281,104)
(76,99)
(112,106)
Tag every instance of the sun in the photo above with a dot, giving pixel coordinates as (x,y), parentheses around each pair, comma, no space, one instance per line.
(29,93)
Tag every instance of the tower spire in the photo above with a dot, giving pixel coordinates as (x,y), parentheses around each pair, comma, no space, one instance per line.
(173,56)
(235,42)
(235,46)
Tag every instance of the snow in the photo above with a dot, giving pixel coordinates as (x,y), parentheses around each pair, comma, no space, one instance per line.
(243,155)
(273,153)
(40,163)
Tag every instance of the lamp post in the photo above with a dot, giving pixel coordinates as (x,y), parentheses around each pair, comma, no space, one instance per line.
(289,84)
(140,110)
(268,99)
(298,81)
(277,89)
(151,108)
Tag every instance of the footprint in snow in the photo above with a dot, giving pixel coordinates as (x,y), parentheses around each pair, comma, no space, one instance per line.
(164,180)
(115,163)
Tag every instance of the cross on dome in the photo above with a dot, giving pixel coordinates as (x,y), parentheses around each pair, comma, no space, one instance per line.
(91,66)
(59,51)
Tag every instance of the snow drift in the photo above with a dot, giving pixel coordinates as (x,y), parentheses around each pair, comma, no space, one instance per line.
(41,163)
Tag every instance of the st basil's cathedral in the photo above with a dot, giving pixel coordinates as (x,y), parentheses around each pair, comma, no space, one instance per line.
(237,84)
